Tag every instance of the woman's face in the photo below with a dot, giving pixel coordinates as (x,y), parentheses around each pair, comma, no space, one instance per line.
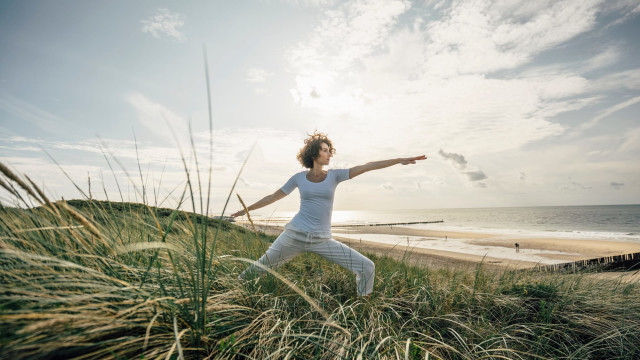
(324,156)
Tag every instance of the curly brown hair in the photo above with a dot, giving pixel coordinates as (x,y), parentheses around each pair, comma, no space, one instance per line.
(311,148)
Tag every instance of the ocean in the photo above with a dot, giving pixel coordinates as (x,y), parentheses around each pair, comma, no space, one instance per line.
(601,222)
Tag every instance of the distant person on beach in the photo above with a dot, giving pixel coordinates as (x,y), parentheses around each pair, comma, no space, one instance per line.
(310,228)
(517,247)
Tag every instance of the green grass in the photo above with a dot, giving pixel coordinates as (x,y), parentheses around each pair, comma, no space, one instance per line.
(97,279)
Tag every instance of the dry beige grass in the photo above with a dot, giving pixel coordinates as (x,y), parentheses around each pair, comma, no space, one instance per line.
(113,280)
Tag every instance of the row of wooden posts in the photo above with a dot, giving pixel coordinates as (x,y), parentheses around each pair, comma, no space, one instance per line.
(390,224)
(626,261)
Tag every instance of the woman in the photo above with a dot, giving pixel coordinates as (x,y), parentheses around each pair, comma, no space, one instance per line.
(310,229)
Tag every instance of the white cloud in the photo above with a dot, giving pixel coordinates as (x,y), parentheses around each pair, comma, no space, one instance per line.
(630,144)
(311,3)
(268,167)
(51,179)
(159,120)
(630,9)
(603,59)
(628,79)
(344,36)
(486,79)
(165,22)
(575,186)
(353,30)
(424,82)
(22,110)
(388,186)
(230,149)
(258,75)
(608,112)
(485,36)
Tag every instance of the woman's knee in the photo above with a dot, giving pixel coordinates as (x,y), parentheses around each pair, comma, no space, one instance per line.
(368,266)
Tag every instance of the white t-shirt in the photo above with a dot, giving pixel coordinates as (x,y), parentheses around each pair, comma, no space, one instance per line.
(316,200)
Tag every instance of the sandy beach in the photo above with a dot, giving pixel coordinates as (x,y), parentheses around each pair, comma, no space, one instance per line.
(496,249)
(452,248)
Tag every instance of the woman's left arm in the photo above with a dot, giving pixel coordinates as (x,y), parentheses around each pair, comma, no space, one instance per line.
(375,165)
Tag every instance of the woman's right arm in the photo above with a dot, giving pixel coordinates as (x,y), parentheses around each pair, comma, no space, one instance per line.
(267,200)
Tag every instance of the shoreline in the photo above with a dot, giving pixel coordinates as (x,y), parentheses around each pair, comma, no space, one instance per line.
(443,248)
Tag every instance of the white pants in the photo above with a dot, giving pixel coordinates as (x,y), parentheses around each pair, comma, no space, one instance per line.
(291,243)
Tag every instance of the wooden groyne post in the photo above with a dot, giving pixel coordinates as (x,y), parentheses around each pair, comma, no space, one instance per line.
(390,224)
(625,261)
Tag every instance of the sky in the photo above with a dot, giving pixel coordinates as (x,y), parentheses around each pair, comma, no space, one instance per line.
(515,103)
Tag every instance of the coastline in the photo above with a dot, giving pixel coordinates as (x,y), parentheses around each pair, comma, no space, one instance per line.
(494,249)
(437,248)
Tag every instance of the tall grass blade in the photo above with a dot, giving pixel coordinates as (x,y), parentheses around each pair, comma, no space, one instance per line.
(178,336)
(142,182)
(115,178)
(247,212)
(84,195)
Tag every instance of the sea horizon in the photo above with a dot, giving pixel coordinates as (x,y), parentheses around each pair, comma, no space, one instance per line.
(599,222)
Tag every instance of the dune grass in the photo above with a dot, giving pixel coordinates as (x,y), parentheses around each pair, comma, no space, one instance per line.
(97,279)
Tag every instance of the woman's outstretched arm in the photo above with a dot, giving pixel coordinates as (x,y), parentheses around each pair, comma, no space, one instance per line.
(269,199)
(375,165)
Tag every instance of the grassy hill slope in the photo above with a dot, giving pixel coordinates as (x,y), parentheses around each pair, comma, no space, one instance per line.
(91,279)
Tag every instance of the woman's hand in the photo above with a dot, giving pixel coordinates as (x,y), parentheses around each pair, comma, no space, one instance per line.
(269,199)
(238,213)
(375,165)
(412,160)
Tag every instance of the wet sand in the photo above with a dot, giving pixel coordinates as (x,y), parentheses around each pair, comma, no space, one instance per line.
(501,247)
(551,249)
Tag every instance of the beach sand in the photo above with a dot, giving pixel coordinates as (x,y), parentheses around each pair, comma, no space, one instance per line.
(501,250)
(554,250)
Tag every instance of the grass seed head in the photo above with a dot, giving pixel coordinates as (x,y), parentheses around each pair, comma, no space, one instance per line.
(12,176)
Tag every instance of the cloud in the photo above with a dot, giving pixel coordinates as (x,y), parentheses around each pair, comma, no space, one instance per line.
(310,3)
(430,182)
(258,75)
(123,150)
(50,178)
(461,164)
(608,112)
(230,148)
(630,9)
(387,186)
(377,64)
(267,167)
(628,79)
(605,58)
(251,184)
(630,143)
(165,23)
(486,36)
(475,175)
(158,119)
(616,185)
(574,186)
(22,110)
(458,160)
(344,36)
